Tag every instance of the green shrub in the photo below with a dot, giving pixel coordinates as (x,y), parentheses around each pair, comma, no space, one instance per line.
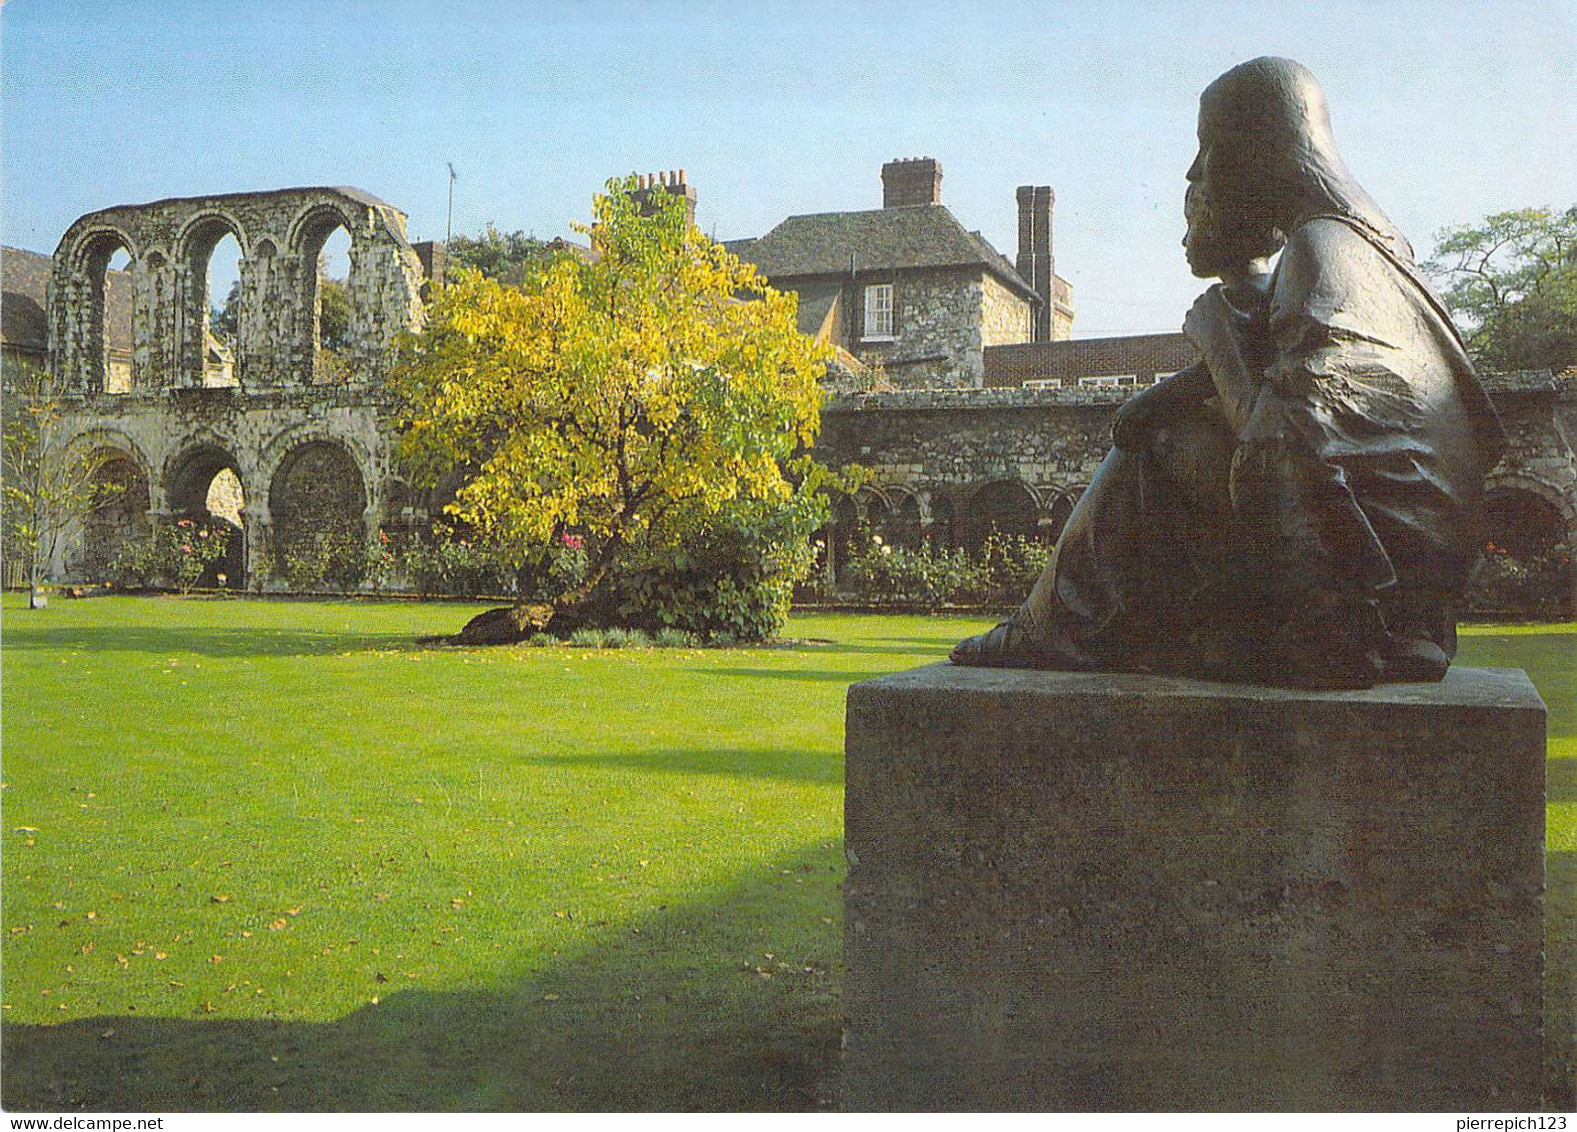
(1535,585)
(174,554)
(735,579)
(1001,573)
(449,566)
(335,560)
(588,637)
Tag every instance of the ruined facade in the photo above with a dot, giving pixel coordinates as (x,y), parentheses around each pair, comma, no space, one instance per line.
(273,435)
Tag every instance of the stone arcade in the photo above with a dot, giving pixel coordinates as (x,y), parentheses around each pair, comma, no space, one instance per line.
(280,438)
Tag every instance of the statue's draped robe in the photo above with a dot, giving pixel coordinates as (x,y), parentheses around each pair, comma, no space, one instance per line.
(1320,508)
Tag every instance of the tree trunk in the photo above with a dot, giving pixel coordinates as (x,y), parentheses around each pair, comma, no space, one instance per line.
(513,624)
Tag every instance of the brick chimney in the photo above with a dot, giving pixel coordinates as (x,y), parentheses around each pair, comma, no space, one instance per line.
(914,180)
(671,181)
(1035,263)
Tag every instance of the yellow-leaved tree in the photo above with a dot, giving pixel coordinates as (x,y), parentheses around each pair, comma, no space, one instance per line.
(641,405)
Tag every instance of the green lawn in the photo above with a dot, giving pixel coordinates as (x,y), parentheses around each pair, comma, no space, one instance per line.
(268,855)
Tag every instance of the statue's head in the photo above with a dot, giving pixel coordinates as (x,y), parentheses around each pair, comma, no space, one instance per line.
(1267,160)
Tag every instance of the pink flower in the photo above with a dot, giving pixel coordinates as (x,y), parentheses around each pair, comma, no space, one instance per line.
(574,542)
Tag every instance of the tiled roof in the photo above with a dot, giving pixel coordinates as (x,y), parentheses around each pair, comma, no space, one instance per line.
(24,318)
(24,306)
(881,239)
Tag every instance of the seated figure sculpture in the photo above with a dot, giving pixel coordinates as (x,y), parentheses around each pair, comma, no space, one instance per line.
(1300,507)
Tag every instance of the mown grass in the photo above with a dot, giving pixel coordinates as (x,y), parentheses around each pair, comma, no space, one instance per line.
(269,855)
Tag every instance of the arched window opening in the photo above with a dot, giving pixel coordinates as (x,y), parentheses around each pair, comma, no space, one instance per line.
(118,304)
(845,522)
(1005,509)
(326,242)
(120,516)
(206,488)
(317,503)
(223,303)
(900,526)
(213,255)
(106,265)
(1527,569)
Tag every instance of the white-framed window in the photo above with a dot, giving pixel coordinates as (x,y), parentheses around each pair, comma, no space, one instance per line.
(1109,379)
(879,312)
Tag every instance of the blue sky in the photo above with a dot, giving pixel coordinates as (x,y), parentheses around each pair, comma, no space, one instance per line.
(1446,112)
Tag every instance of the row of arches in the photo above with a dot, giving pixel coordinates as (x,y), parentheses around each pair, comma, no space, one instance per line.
(316,491)
(966,518)
(213,327)
(1528,534)
(141,299)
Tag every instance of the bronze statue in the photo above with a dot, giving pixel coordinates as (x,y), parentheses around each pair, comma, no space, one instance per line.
(1301,506)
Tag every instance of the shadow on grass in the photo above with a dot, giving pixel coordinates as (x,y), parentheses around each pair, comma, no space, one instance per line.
(1560,780)
(676,1015)
(797,765)
(218,643)
(1560,964)
(801,674)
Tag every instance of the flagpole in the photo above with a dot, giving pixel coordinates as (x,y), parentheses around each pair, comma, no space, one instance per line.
(449,224)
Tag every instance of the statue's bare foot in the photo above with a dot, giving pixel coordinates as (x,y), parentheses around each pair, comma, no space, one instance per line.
(1415,659)
(1009,645)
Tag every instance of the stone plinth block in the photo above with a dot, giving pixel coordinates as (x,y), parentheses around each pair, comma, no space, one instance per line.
(1118,892)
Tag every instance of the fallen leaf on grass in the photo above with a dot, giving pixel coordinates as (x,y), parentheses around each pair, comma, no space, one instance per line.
(219,898)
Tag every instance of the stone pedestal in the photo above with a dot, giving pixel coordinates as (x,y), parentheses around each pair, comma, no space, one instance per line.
(1110,892)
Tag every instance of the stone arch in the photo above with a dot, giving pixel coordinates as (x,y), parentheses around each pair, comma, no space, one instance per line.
(1529,529)
(1004,506)
(1056,515)
(195,245)
(119,518)
(317,506)
(903,523)
(88,284)
(309,233)
(197,485)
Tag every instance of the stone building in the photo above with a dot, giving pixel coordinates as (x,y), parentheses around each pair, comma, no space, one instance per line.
(273,435)
(909,291)
(991,428)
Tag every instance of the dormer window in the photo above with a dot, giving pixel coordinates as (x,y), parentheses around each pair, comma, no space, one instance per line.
(879,312)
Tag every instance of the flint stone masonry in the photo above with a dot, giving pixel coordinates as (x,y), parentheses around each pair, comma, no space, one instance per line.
(281,234)
(946,445)
(282,413)
(1119,892)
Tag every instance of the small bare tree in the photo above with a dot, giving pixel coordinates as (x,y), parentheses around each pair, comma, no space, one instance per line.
(48,488)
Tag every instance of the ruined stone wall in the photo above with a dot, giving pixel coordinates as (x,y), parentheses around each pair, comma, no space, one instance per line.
(281,235)
(180,441)
(276,401)
(1541,424)
(946,446)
